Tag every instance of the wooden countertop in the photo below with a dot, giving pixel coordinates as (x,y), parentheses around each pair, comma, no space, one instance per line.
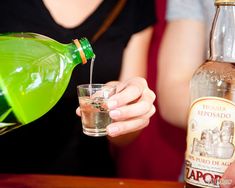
(60,181)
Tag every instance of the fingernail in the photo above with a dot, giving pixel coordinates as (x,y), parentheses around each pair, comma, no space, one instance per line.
(112,130)
(112,104)
(114,113)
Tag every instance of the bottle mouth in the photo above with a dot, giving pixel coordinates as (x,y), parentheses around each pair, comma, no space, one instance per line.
(87,48)
(224,2)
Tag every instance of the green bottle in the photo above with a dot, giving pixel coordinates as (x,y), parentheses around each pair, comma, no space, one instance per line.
(34,72)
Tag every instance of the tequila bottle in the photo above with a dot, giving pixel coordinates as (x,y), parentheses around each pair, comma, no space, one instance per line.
(213,105)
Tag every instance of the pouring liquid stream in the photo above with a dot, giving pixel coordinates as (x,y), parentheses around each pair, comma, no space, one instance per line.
(91,74)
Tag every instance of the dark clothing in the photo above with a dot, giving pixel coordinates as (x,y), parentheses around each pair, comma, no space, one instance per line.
(55,142)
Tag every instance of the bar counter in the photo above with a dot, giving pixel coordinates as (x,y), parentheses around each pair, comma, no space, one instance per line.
(60,181)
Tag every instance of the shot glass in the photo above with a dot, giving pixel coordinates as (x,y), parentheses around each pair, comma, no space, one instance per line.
(93,104)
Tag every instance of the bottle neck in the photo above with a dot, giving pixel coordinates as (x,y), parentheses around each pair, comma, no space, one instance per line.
(80,51)
(222,38)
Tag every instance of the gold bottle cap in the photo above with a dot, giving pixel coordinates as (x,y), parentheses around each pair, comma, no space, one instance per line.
(229,2)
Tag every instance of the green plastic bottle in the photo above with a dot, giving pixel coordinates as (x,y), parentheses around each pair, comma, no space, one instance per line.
(34,73)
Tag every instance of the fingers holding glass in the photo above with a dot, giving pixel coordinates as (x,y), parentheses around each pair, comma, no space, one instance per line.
(93,108)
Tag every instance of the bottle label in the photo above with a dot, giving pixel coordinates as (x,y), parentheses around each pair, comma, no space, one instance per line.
(210,141)
(8,120)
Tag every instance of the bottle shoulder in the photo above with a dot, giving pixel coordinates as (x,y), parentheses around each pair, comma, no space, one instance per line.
(217,65)
(224,71)
(215,77)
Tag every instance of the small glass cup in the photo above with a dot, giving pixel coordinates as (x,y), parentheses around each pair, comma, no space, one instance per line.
(94,111)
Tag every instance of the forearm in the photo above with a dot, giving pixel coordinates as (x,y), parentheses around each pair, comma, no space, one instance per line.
(179,57)
(136,55)
(173,103)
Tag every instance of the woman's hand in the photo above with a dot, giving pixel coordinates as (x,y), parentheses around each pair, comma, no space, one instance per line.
(131,107)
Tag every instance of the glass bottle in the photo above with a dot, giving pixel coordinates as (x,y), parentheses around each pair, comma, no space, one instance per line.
(212,108)
(34,73)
